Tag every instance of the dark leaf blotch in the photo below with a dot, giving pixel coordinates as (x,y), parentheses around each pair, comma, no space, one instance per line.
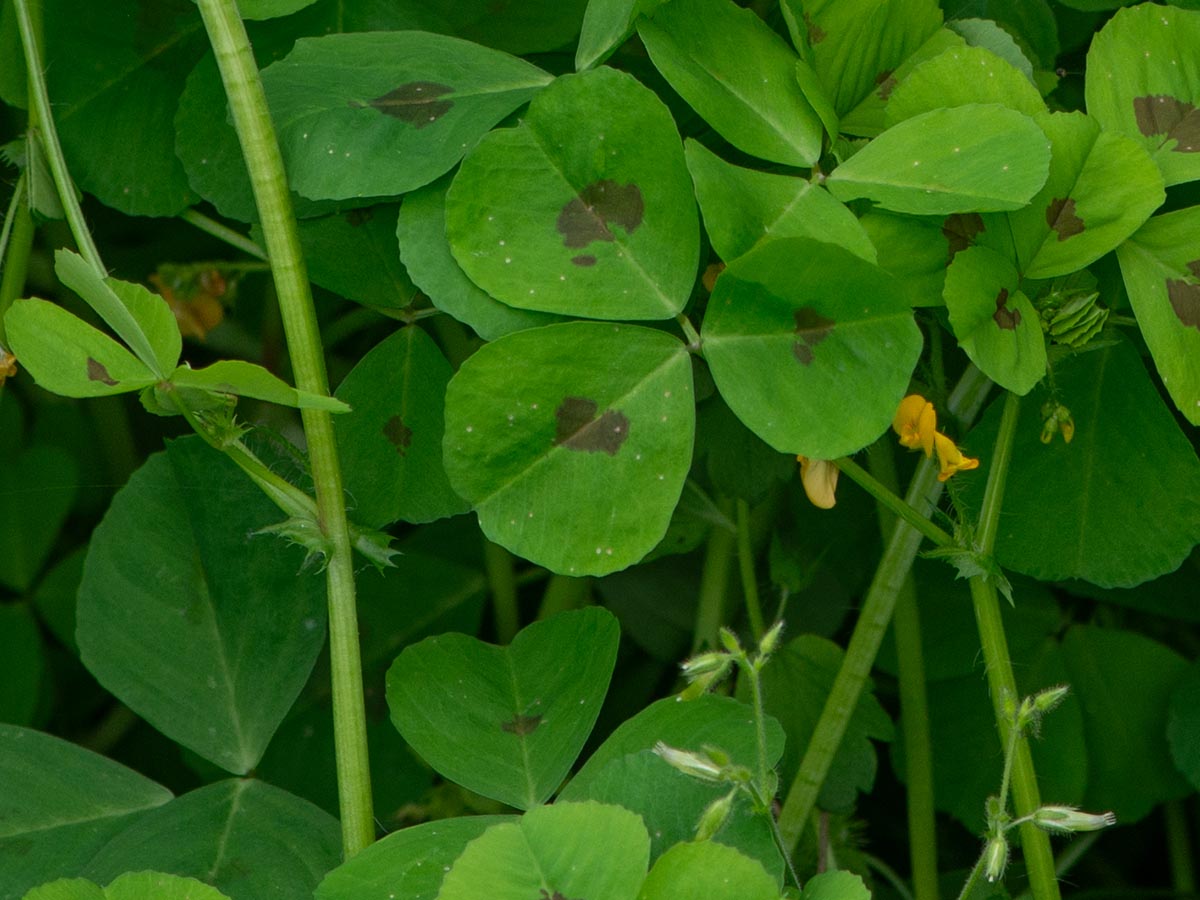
(399,434)
(584,259)
(811,329)
(886,83)
(1061,217)
(522,725)
(1006,318)
(579,429)
(602,203)
(1185,300)
(97,372)
(1166,115)
(816,33)
(1194,268)
(416,102)
(960,230)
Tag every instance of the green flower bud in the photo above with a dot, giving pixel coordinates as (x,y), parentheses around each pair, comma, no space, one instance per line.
(714,816)
(1068,819)
(995,858)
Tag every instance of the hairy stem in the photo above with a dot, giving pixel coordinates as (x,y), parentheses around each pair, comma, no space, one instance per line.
(923,493)
(1035,843)
(260,149)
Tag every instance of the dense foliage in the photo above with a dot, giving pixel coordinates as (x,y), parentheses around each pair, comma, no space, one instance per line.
(542,347)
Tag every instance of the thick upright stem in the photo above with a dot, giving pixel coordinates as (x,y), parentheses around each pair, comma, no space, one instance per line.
(745,549)
(252,119)
(714,583)
(1035,843)
(898,556)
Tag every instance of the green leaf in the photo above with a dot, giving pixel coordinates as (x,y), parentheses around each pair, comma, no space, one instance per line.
(411,862)
(795,684)
(22,662)
(972,158)
(625,771)
(61,804)
(1144,82)
(115,72)
(959,76)
(506,722)
(606,25)
(1032,22)
(354,255)
(1183,724)
(1102,186)
(989,35)
(994,321)
(841,885)
(425,251)
(141,319)
(811,346)
(1161,269)
(869,118)
(740,463)
(54,597)
(542,424)
(565,850)
(391,443)
(856,45)
(204,650)
(743,208)
(914,250)
(38,487)
(246,838)
(270,9)
(67,356)
(1124,681)
(1090,509)
(738,74)
(585,208)
(688,725)
(707,871)
(378,114)
(130,886)
(245,379)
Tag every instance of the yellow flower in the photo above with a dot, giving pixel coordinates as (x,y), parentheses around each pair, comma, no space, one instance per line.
(8,365)
(916,423)
(819,477)
(950,458)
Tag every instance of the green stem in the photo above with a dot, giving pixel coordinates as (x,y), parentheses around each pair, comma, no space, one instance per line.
(42,122)
(973,879)
(745,549)
(563,592)
(1035,843)
(689,332)
(260,149)
(914,707)
(1179,848)
(16,243)
(714,584)
(760,724)
(894,503)
(880,600)
(223,232)
(498,563)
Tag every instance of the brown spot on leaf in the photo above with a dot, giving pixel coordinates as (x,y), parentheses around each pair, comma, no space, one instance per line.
(1194,268)
(886,82)
(399,434)
(1166,115)
(811,329)
(522,725)
(1006,318)
(546,895)
(584,259)
(579,429)
(356,218)
(602,203)
(816,33)
(416,102)
(97,372)
(1061,217)
(1185,300)
(960,230)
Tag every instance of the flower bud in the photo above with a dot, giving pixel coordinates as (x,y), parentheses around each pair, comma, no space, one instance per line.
(695,764)
(714,816)
(995,858)
(770,640)
(729,641)
(1067,819)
